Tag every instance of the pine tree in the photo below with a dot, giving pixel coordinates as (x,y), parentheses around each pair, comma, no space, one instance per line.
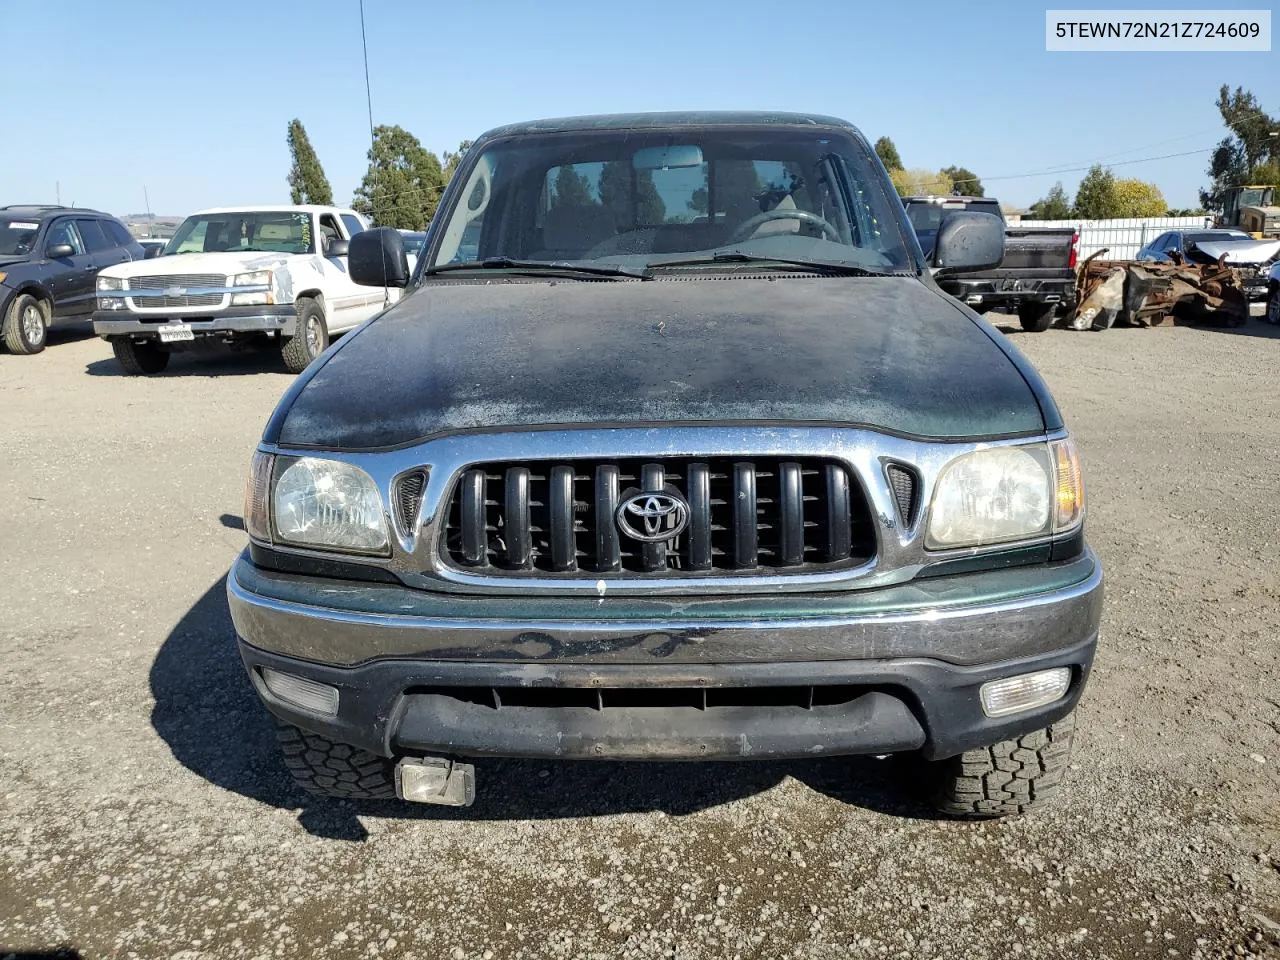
(307,182)
(403,184)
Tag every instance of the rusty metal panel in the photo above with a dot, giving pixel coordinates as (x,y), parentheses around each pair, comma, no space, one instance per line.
(1148,294)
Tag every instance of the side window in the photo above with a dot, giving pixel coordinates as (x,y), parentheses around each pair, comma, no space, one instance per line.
(64,231)
(117,232)
(352,223)
(93,236)
(328,228)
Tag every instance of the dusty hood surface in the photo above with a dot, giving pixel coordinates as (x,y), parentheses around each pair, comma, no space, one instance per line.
(1240,251)
(889,353)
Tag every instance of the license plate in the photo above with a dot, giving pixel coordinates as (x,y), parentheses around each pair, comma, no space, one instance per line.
(171,332)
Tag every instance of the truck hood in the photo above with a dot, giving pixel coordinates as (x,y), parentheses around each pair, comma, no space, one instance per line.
(889,353)
(1240,251)
(228,263)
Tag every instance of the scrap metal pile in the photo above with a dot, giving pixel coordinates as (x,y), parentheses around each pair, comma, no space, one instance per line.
(1147,294)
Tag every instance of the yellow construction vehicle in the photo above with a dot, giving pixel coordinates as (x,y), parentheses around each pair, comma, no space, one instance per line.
(1253,210)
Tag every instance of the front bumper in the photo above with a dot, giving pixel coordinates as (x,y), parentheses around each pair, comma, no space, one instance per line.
(891,670)
(279,319)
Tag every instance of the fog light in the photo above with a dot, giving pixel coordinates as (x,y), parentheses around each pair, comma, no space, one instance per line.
(304,694)
(1015,694)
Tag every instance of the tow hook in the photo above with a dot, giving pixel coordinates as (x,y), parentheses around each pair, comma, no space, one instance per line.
(436,780)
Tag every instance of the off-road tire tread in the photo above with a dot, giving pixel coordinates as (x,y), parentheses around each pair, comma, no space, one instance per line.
(329,769)
(140,359)
(1036,317)
(1010,777)
(12,326)
(297,357)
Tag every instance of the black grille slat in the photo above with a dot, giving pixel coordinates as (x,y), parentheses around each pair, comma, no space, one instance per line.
(791,539)
(698,493)
(517,529)
(838,519)
(653,556)
(608,551)
(561,534)
(745,532)
(560,518)
(475,538)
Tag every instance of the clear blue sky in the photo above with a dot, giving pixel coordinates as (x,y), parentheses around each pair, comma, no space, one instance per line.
(192,98)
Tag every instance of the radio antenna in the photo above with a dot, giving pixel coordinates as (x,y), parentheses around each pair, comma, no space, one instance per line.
(373,160)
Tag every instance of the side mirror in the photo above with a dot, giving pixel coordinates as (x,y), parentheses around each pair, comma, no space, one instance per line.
(60,251)
(376,258)
(969,241)
(333,247)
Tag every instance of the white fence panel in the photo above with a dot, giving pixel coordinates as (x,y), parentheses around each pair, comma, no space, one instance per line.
(1122,238)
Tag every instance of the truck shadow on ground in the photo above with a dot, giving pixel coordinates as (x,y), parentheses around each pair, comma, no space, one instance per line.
(213,360)
(208,714)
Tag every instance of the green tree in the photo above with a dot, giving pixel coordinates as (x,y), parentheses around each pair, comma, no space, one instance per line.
(966,182)
(1184,212)
(1055,205)
(918,182)
(614,187)
(452,160)
(307,182)
(1247,150)
(403,184)
(571,189)
(1137,198)
(1096,197)
(888,154)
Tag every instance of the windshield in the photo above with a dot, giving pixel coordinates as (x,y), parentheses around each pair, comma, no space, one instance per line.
(639,198)
(17,236)
(273,232)
(1217,236)
(1255,197)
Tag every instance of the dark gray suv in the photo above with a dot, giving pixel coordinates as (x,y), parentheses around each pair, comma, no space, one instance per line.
(49,262)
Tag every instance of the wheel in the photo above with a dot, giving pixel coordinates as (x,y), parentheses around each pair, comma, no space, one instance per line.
(310,340)
(140,357)
(1036,317)
(25,324)
(330,769)
(1273,306)
(1013,776)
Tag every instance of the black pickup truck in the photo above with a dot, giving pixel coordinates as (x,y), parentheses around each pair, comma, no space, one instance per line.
(1035,279)
(676,452)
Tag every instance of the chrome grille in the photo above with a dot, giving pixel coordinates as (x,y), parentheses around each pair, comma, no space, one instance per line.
(184,280)
(560,518)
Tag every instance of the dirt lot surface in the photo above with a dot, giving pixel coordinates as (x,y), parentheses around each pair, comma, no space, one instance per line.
(144,812)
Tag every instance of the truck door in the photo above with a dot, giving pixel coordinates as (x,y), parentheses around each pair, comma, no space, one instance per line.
(348,304)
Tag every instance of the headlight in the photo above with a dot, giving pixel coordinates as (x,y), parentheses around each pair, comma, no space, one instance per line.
(328,504)
(110,283)
(990,496)
(258,278)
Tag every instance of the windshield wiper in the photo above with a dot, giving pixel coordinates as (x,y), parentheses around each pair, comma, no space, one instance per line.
(833,267)
(543,266)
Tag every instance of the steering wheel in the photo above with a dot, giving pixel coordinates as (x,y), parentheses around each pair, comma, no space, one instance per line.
(746,229)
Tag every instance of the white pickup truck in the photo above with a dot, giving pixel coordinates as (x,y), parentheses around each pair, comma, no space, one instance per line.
(275,275)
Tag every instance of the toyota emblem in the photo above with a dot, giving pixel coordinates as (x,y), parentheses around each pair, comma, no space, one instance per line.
(653,516)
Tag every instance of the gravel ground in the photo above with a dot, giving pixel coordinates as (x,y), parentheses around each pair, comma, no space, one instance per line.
(144,812)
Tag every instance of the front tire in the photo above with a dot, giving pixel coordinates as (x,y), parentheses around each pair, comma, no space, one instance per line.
(1273,305)
(140,357)
(1010,777)
(26,324)
(328,769)
(1036,317)
(311,337)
